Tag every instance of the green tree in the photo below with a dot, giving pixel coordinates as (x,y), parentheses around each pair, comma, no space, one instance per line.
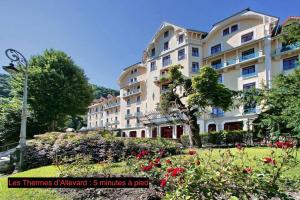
(100,91)
(199,93)
(290,33)
(57,88)
(4,86)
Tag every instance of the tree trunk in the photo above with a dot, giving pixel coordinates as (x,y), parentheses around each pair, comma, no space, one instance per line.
(194,131)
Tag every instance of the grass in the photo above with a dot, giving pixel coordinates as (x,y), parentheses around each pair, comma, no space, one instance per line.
(117,168)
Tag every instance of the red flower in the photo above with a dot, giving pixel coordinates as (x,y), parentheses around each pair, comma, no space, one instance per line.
(192,152)
(170,169)
(177,171)
(284,145)
(147,168)
(239,146)
(157,160)
(142,154)
(168,161)
(269,160)
(247,170)
(163,182)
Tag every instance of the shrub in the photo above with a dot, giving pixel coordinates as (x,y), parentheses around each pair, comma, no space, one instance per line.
(44,148)
(185,140)
(223,137)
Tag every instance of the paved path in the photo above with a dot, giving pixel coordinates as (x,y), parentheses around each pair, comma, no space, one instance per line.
(7,153)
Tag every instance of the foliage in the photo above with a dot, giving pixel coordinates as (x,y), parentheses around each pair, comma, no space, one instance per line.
(75,166)
(4,86)
(224,137)
(57,88)
(45,148)
(185,140)
(100,91)
(226,176)
(290,33)
(201,92)
(280,105)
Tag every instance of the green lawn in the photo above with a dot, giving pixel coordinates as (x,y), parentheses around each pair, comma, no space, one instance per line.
(51,171)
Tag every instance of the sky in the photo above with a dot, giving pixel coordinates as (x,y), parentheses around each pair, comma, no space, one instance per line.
(105,36)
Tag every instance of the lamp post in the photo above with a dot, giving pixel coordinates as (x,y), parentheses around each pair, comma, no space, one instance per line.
(16,58)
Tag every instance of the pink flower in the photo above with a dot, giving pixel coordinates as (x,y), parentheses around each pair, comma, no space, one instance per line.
(239,146)
(163,182)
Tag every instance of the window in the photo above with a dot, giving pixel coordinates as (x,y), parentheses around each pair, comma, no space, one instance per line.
(152,52)
(138,99)
(180,39)
(290,63)
(164,87)
(128,121)
(220,78)
(248,86)
(216,64)
(248,54)
(247,37)
(166,60)
(215,49)
(152,66)
(166,34)
(195,67)
(248,71)
(226,31)
(234,28)
(128,111)
(166,46)
(195,52)
(181,54)
(138,109)
(128,102)
(135,70)
(217,112)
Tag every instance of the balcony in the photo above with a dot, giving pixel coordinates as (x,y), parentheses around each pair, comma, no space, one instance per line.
(249,110)
(161,78)
(138,114)
(111,105)
(133,92)
(286,49)
(236,61)
(245,76)
(127,126)
(128,116)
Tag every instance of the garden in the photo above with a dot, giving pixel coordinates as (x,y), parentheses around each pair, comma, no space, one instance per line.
(175,172)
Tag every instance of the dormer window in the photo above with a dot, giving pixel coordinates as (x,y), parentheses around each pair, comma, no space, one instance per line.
(166,46)
(166,34)
(215,49)
(234,28)
(226,31)
(152,52)
(180,39)
(247,37)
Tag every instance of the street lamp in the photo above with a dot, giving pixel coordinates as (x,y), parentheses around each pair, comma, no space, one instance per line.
(17,59)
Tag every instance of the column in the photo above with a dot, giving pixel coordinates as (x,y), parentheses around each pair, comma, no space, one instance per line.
(174,131)
(158,131)
(268,65)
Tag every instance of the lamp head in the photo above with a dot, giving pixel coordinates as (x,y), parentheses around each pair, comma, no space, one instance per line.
(11,69)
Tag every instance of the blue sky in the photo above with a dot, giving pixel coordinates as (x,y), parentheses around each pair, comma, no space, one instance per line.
(105,36)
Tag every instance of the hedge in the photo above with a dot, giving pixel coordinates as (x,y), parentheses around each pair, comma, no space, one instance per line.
(45,148)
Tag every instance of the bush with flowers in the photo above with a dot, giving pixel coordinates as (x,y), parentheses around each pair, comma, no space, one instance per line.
(232,174)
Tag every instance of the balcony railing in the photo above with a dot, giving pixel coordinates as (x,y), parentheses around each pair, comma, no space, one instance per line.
(249,110)
(128,116)
(112,105)
(138,114)
(133,92)
(287,48)
(249,75)
(234,61)
(248,56)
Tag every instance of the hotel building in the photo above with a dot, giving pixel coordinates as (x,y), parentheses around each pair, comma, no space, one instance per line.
(245,51)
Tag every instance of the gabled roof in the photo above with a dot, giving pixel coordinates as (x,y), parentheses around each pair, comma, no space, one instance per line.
(241,12)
